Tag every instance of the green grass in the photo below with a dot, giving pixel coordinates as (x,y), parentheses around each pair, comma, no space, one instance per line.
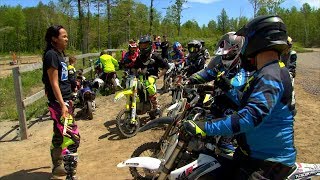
(31,82)
(299,48)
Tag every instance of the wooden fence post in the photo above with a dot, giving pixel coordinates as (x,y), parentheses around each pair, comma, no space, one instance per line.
(19,100)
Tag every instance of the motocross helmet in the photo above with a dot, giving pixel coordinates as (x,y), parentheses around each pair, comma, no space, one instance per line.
(176,47)
(132,47)
(262,33)
(229,48)
(202,42)
(194,46)
(145,45)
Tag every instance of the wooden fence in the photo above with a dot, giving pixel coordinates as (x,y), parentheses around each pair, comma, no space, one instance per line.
(22,102)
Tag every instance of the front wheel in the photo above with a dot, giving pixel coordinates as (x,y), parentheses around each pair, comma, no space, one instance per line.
(89,110)
(126,128)
(150,149)
(165,111)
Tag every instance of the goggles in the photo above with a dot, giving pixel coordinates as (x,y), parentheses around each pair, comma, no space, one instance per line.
(144,45)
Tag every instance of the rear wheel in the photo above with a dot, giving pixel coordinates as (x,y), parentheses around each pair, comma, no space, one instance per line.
(150,149)
(124,125)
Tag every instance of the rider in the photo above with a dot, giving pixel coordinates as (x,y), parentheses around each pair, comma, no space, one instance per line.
(72,74)
(289,58)
(164,47)
(109,65)
(157,44)
(149,63)
(204,50)
(195,59)
(227,60)
(131,56)
(264,122)
(177,56)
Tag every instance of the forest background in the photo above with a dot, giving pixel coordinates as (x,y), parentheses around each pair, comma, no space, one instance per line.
(100,24)
(94,25)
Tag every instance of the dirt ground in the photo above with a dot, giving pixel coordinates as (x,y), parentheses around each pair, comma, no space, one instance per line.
(101,149)
(6,68)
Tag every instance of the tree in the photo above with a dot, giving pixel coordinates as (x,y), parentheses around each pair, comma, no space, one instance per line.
(223,22)
(175,14)
(273,6)
(256,4)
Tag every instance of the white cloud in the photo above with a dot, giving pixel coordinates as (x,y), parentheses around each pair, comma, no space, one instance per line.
(312,3)
(204,1)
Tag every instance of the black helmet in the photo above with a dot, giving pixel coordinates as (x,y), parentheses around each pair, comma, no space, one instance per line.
(263,33)
(145,45)
(194,46)
(202,42)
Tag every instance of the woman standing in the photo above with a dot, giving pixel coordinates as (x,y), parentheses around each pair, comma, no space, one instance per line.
(58,91)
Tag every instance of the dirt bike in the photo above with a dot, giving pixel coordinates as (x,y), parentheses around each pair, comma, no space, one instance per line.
(176,112)
(190,157)
(87,95)
(171,74)
(111,81)
(137,105)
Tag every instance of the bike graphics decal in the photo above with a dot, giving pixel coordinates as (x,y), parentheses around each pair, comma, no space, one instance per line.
(64,71)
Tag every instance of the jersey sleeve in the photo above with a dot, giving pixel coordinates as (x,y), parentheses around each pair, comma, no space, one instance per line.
(51,60)
(259,105)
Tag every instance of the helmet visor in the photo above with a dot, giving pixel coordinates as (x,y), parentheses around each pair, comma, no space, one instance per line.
(222,47)
(229,55)
(144,45)
(191,49)
(133,49)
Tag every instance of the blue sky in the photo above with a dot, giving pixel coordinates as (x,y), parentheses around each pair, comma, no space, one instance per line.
(201,11)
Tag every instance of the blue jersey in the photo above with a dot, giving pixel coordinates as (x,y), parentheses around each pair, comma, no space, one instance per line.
(238,77)
(264,123)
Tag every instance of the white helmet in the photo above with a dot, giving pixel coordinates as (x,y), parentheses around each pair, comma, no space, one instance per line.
(229,48)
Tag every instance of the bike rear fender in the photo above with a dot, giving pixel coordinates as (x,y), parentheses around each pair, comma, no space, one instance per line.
(144,162)
(120,94)
(305,171)
(156,123)
(201,166)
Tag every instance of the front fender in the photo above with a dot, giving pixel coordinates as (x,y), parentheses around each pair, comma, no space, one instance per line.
(144,162)
(120,94)
(156,122)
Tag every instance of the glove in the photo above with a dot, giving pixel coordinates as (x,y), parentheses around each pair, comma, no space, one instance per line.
(223,83)
(192,128)
(205,87)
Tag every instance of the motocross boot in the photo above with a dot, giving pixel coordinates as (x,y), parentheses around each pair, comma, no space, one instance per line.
(58,170)
(155,106)
(70,165)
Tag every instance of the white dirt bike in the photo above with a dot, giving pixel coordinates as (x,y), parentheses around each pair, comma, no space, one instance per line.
(184,159)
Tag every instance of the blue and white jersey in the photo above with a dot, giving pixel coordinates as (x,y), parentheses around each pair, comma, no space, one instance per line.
(264,122)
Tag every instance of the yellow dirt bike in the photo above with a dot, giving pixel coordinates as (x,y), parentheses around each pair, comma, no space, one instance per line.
(138,106)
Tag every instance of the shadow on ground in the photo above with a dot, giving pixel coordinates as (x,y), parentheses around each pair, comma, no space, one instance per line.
(14,129)
(112,133)
(28,174)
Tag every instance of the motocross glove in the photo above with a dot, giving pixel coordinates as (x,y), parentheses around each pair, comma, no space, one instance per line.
(192,128)
(223,83)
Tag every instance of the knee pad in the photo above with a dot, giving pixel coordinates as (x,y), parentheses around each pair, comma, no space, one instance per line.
(151,89)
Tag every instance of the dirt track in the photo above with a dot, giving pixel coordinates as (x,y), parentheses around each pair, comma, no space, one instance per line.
(101,149)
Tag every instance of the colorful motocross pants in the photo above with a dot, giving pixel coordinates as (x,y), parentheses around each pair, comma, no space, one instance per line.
(69,143)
